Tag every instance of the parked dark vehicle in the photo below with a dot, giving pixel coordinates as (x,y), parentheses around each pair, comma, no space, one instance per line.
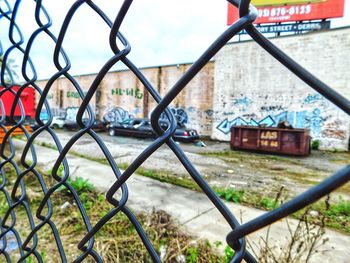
(141,128)
(182,133)
(73,125)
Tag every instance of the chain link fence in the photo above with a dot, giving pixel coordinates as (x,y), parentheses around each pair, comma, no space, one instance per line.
(42,216)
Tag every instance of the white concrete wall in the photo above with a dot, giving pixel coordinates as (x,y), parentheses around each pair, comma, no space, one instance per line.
(252,87)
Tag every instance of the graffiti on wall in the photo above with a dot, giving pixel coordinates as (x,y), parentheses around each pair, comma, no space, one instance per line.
(225,125)
(137,110)
(334,134)
(313,120)
(315,99)
(314,113)
(180,115)
(117,115)
(44,115)
(120,115)
(272,108)
(71,113)
(74,94)
(242,103)
(136,93)
(333,130)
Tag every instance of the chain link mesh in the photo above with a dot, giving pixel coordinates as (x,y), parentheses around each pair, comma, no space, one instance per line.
(42,216)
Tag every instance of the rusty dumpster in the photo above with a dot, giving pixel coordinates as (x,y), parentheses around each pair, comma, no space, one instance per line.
(271,140)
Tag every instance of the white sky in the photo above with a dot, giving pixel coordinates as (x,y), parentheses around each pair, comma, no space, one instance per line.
(160,32)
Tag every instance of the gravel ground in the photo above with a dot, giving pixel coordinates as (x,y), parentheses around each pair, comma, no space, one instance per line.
(219,165)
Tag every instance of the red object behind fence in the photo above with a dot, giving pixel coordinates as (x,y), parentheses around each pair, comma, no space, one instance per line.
(27,98)
(271,140)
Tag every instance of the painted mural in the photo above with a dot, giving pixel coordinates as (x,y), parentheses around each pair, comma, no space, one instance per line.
(120,115)
(314,113)
(116,115)
(71,113)
(180,115)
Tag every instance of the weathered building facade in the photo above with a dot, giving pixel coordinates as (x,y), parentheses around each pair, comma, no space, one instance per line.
(244,85)
(122,89)
(252,88)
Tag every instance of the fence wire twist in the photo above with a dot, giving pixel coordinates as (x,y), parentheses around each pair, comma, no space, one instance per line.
(18,198)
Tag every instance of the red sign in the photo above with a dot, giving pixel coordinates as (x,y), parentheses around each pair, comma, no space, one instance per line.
(292,12)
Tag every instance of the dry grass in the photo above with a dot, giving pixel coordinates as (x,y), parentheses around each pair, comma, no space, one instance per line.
(117,241)
(304,239)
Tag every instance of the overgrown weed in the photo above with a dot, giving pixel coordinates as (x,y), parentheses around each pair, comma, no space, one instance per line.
(117,240)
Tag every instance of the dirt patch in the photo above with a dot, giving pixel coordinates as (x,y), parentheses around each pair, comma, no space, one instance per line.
(222,167)
(267,173)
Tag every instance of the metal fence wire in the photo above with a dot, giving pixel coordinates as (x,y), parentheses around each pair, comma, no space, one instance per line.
(17,198)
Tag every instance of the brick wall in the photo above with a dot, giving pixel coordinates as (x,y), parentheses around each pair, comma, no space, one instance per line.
(252,87)
(122,90)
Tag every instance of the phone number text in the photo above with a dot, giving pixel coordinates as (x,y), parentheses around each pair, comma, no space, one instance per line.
(285,11)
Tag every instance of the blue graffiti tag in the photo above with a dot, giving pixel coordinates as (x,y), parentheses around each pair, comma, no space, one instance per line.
(299,119)
(226,125)
(283,116)
(315,122)
(312,98)
(267,121)
(242,101)
(253,123)
(316,99)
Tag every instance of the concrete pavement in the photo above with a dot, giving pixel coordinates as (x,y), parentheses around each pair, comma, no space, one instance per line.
(191,209)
